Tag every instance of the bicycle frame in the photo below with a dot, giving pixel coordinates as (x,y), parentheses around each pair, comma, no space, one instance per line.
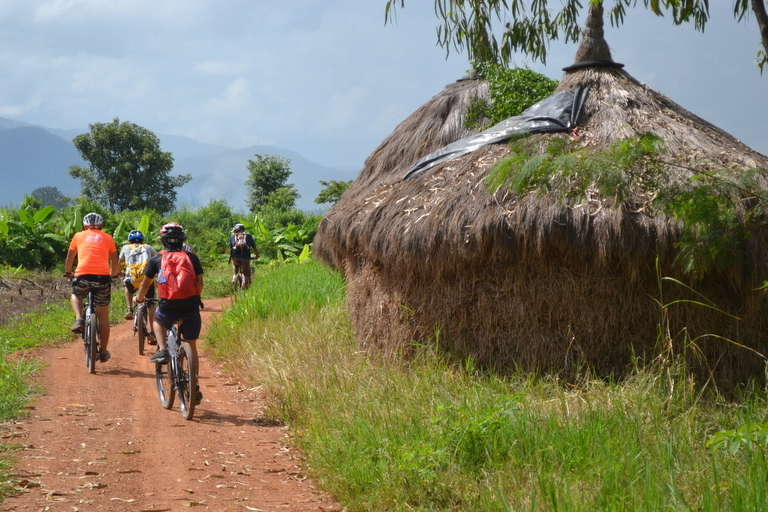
(141,320)
(91,336)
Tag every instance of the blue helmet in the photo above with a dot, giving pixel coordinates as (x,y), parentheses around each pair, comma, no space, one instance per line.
(136,237)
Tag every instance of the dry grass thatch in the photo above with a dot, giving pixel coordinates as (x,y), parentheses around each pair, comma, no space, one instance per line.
(528,281)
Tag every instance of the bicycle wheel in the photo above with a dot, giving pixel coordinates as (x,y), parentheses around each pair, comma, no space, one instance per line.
(164,379)
(186,380)
(141,326)
(91,343)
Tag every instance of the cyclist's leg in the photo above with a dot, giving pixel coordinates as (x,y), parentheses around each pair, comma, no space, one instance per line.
(102,313)
(247,272)
(151,310)
(79,293)
(129,291)
(190,330)
(161,333)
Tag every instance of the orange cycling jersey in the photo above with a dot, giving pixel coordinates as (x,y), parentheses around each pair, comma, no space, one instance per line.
(93,248)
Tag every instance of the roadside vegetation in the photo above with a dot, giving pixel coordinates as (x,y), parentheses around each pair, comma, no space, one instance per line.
(432,433)
(437,434)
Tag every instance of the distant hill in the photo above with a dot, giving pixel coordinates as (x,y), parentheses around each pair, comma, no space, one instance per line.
(35,156)
(222,176)
(31,157)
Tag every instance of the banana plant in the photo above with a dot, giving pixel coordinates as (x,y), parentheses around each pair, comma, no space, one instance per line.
(27,240)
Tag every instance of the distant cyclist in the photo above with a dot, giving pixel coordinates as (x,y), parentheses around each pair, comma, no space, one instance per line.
(97,265)
(179,278)
(134,257)
(240,245)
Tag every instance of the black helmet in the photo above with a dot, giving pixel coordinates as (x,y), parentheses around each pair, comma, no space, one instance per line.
(93,220)
(172,235)
(239,228)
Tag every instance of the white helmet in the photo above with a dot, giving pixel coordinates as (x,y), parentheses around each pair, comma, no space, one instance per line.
(93,220)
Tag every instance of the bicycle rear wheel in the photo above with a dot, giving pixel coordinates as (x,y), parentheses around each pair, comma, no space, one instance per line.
(186,380)
(91,344)
(141,315)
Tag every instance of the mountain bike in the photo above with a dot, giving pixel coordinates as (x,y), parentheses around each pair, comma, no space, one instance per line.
(178,374)
(140,321)
(91,337)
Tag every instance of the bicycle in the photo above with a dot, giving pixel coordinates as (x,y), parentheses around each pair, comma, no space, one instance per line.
(178,374)
(140,321)
(91,336)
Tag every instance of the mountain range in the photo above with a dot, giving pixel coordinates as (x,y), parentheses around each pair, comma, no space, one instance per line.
(33,156)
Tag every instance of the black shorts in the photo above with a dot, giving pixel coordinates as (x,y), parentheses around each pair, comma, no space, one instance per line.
(132,289)
(192,325)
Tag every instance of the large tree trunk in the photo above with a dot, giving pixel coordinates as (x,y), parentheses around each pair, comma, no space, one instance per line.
(758,6)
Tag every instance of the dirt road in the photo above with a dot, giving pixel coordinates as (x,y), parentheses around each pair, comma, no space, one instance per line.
(103,442)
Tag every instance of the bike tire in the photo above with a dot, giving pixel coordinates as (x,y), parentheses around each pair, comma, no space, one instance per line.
(164,380)
(141,328)
(187,380)
(91,343)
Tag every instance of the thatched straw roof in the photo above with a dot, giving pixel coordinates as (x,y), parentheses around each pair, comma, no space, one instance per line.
(530,280)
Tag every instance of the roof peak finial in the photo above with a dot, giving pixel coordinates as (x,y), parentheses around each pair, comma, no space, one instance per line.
(593,50)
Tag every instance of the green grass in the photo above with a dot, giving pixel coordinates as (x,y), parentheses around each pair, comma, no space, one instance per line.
(432,435)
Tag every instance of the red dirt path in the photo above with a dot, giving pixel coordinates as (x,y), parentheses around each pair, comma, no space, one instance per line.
(103,442)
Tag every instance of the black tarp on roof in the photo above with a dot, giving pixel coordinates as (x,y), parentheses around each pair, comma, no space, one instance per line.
(557,113)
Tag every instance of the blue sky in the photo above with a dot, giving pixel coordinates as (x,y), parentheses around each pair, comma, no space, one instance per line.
(326,79)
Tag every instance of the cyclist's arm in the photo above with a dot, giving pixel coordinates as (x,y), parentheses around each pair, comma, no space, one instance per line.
(69,261)
(143,289)
(252,243)
(114,264)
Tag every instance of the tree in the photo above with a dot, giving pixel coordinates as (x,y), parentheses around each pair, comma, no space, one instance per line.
(332,191)
(528,27)
(127,170)
(267,175)
(51,196)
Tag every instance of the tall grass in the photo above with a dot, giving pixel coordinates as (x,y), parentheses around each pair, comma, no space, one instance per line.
(432,434)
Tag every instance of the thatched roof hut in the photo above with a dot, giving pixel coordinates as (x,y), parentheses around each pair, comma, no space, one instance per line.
(531,280)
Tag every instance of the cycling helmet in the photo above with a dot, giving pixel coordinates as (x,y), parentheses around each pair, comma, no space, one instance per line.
(172,235)
(239,228)
(136,237)
(93,220)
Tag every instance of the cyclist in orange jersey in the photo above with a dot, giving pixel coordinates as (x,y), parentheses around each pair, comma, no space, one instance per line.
(97,265)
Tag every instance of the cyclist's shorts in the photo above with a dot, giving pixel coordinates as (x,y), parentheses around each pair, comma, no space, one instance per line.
(132,289)
(101,286)
(190,329)
(245,266)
